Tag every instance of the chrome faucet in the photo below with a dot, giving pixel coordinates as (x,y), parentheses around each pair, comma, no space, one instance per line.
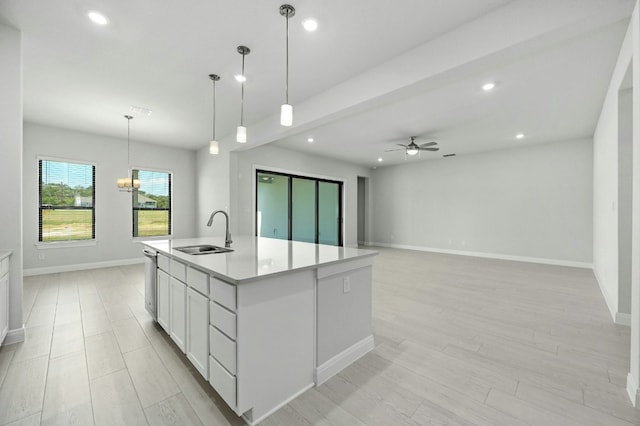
(227,239)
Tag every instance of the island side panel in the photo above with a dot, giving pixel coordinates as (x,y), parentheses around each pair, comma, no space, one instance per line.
(344,305)
(276,324)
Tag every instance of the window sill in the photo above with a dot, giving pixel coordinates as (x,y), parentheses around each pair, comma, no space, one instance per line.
(64,244)
(159,237)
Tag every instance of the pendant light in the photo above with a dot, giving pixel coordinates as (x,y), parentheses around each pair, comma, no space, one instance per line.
(214,148)
(286,110)
(128,184)
(241,133)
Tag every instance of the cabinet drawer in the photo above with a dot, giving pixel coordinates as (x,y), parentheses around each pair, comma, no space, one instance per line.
(223,320)
(223,293)
(163,263)
(198,280)
(222,349)
(223,382)
(178,270)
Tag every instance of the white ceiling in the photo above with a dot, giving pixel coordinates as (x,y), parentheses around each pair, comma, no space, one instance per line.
(375,72)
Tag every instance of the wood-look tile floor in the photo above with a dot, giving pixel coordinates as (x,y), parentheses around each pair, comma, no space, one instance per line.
(459,341)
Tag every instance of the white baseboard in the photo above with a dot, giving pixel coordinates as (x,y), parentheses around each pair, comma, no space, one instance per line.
(632,390)
(336,364)
(556,262)
(13,336)
(623,319)
(611,305)
(81,266)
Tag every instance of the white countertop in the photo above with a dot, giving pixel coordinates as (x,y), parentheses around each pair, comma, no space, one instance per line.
(256,257)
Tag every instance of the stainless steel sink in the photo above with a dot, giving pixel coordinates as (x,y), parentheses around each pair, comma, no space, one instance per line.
(203,249)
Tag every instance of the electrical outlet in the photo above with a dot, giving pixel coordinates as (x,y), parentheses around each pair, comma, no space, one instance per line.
(346,285)
(40,256)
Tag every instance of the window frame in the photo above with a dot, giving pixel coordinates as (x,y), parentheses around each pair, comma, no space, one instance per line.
(257,169)
(169,209)
(40,244)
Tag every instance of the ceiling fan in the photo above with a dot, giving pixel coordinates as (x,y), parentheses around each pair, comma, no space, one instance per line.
(412,148)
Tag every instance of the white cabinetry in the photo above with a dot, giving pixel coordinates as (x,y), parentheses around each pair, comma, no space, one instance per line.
(222,338)
(197,331)
(183,309)
(4,298)
(163,300)
(178,316)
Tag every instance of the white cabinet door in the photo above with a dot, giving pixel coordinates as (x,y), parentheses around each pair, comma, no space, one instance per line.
(4,307)
(197,331)
(178,318)
(163,300)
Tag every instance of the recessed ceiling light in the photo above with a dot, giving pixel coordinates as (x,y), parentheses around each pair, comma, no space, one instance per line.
(310,140)
(97,18)
(488,86)
(379,159)
(240,78)
(520,136)
(310,24)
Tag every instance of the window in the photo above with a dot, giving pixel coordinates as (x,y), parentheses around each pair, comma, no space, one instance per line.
(152,204)
(66,201)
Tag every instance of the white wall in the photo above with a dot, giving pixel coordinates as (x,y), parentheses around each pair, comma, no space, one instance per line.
(532,203)
(11,169)
(113,208)
(625,205)
(212,175)
(633,379)
(605,185)
(241,172)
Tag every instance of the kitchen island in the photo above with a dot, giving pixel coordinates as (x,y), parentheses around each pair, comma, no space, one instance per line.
(268,320)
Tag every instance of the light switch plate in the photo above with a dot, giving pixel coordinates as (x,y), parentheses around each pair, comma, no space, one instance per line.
(346,285)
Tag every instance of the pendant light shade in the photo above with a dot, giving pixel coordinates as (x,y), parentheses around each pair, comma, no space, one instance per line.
(214,147)
(128,184)
(286,110)
(241,132)
(286,115)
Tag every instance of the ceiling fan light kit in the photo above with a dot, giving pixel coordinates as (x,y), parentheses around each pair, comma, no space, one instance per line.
(412,148)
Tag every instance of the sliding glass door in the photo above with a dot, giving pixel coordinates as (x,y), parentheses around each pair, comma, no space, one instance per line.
(298,208)
(303,205)
(329,219)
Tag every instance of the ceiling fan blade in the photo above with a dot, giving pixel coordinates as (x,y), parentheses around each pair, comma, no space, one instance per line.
(399,144)
(428,149)
(399,149)
(428,144)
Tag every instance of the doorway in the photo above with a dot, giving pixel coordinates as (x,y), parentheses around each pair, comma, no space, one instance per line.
(362,211)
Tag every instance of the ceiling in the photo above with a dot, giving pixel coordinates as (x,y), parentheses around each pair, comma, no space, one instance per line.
(373,74)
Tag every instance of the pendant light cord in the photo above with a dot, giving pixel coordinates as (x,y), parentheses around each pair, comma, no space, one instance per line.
(214,110)
(128,117)
(287,70)
(242,94)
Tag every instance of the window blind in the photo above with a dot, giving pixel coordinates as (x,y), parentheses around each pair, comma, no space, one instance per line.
(66,201)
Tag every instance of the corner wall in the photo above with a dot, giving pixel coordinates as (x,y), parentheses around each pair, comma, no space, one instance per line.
(11,171)
(114,243)
(605,185)
(531,203)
